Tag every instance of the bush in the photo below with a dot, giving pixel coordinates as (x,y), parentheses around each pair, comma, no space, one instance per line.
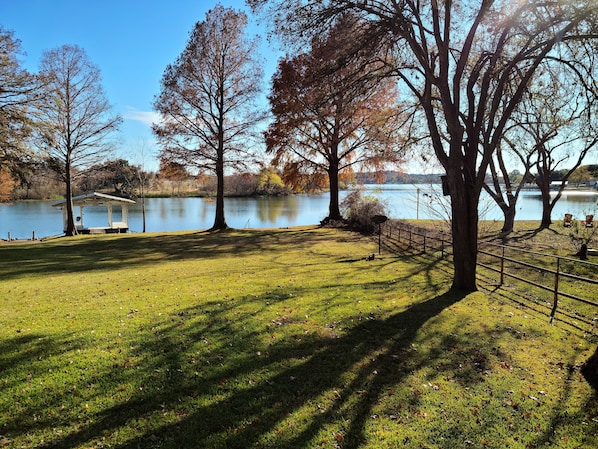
(359,210)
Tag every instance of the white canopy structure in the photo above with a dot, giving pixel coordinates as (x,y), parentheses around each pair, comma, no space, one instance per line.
(99,199)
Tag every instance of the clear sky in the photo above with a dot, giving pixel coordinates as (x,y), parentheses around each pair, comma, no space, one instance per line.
(132,42)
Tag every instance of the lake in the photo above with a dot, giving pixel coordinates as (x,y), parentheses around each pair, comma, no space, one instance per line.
(23,218)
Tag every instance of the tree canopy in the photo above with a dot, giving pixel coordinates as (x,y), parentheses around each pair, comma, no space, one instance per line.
(207,99)
(328,117)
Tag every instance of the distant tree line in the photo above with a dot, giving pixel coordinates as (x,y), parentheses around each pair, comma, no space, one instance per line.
(396,177)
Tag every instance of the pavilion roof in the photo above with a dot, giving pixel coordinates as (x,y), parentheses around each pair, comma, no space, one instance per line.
(95,199)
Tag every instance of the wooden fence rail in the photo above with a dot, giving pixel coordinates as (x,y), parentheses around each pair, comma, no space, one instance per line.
(560,276)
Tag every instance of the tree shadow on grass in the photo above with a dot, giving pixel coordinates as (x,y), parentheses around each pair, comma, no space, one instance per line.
(89,253)
(24,360)
(275,389)
(561,416)
(523,236)
(305,389)
(25,349)
(307,381)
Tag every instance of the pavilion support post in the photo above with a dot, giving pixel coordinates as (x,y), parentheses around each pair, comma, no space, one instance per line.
(125,214)
(109,206)
(81,216)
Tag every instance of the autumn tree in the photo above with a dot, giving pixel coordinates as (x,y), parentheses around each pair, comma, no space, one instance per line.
(329,117)
(7,184)
(269,182)
(18,91)
(467,65)
(593,170)
(207,99)
(76,120)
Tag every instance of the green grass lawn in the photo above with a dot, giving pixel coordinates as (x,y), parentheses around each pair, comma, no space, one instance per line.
(274,339)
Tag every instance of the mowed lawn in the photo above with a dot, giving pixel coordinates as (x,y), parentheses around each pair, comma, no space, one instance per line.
(274,339)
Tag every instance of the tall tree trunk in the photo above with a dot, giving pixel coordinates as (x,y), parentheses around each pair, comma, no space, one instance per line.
(142,182)
(334,212)
(508,209)
(509,223)
(543,183)
(219,220)
(546,218)
(546,210)
(506,200)
(464,224)
(71,230)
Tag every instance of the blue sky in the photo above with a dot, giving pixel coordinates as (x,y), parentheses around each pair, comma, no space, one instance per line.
(132,42)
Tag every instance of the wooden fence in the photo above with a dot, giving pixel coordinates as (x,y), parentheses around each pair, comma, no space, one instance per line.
(550,282)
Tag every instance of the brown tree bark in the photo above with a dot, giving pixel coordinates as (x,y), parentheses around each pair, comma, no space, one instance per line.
(334,212)
(70,230)
(464,227)
(219,219)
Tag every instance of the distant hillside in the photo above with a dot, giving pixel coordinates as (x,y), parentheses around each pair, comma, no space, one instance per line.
(395,177)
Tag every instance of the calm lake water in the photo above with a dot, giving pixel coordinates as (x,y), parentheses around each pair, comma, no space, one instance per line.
(24,218)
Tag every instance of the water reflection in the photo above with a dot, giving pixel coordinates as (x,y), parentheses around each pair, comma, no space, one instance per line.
(176,214)
(270,210)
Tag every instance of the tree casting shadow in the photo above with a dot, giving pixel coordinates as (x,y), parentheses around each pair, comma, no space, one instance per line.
(242,417)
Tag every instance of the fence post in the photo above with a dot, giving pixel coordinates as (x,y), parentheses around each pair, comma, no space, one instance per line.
(502,267)
(556,288)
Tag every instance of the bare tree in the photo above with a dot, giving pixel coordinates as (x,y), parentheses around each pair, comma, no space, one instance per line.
(468,65)
(76,120)
(207,99)
(143,177)
(501,187)
(554,124)
(563,128)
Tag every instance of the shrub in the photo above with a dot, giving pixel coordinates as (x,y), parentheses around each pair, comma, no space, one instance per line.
(359,210)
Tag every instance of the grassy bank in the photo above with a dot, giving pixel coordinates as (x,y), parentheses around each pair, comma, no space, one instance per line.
(273,339)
